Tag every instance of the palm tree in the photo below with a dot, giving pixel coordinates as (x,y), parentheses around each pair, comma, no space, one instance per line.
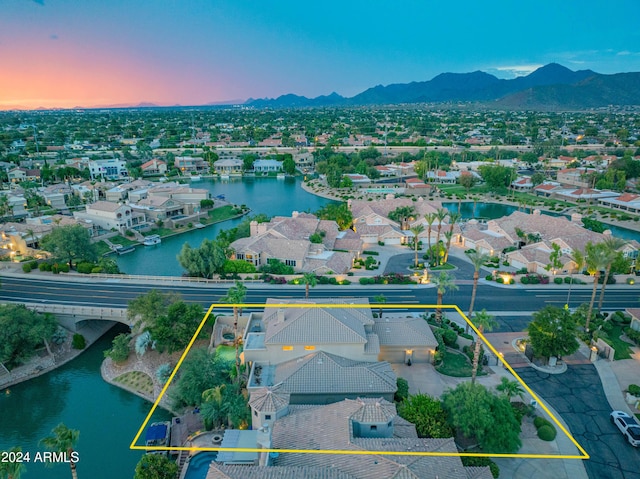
(63,440)
(444,283)
(214,317)
(416,230)
(12,469)
(310,281)
(578,258)
(483,321)
(429,218)
(611,245)
(477,260)
(597,259)
(441,214)
(380,299)
(453,219)
(510,389)
(236,296)
(212,408)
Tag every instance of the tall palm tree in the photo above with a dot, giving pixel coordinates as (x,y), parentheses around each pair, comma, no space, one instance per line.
(214,317)
(380,299)
(416,230)
(212,408)
(611,245)
(236,296)
(448,235)
(310,281)
(444,283)
(12,469)
(483,321)
(453,219)
(441,214)
(477,260)
(430,219)
(63,440)
(578,258)
(597,259)
(510,389)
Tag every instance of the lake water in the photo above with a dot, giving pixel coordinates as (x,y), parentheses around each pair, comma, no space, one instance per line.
(263,195)
(75,394)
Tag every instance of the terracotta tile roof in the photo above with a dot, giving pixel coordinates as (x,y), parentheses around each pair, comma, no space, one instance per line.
(627,197)
(404,332)
(324,373)
(220,471)
(269,399)
(317,325)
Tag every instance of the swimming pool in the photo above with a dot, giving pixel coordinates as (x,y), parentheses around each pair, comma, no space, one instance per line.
(199,465)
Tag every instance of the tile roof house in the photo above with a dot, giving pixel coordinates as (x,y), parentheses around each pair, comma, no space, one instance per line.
(501,233)
(288,239)
(372,223)
(154,167)
(107,215)
(358,425)
(628,202)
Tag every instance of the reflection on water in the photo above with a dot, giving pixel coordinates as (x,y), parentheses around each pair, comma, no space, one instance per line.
(263,195)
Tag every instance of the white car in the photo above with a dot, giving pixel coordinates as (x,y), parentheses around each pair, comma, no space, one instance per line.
(628,426)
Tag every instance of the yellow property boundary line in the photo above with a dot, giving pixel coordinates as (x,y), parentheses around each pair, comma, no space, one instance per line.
(583,453)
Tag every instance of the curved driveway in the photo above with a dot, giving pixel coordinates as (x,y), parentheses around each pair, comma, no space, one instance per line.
(577,395)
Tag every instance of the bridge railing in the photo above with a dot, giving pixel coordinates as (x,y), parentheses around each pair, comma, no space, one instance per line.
(90,311)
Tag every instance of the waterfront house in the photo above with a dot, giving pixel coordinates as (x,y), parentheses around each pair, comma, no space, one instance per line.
(228,166)
(358,425)
(289,240)
(107,216)
(108,169)
(578,177)
(627,202)
(267,166)
(154,167)
(190,164)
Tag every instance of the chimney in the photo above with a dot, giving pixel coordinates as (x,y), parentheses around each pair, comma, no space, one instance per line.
(253,228)
(294,214)
(576,218)
(280,315)
(264,442)
(536,212)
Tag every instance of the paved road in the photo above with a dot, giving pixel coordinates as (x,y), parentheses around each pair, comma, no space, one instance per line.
(577,395)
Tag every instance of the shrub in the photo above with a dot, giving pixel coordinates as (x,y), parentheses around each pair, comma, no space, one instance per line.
(85,267)
(402,392)
(63,268)
(499,280)
(372,253)
(60,336)
(450,337)
(366,281)
(524,280)
(557,280)
(547,432)
(489,277)
(567,280)
(482,462)
(631,281)
(26,267)
(78,341)
(634,389)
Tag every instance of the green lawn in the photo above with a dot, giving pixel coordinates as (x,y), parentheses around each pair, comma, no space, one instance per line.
(456,365)
(102,248)
(222,213)
(123,241)
(443,267)
(612,338)
(160,231)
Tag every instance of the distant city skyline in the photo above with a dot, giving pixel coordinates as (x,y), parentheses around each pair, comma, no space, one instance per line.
(64,53)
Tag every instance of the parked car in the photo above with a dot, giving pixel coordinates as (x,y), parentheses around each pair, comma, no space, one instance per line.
(628,426)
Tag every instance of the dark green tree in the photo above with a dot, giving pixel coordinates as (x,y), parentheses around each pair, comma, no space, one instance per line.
(339,213)
(70,243)
(156,466)
(553,332)
(479,414)
(22,331)
(427,414)
(205,261)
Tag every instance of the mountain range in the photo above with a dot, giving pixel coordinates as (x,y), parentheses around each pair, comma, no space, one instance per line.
(551,87)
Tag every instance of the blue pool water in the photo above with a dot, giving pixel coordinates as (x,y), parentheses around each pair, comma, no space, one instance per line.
(199,465)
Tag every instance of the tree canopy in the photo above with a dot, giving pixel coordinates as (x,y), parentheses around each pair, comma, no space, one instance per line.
(205,261)
(497,177)
(156,466)
(70,243)
(478,413)
(339,213)
(427,414)
(21,332)
(199,372)
(553,332)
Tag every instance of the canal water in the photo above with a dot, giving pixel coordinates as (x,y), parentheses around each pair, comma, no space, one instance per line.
(75,394)
(263,195)
(492,211)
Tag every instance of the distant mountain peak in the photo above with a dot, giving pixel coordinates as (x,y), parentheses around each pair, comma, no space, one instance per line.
(557,81)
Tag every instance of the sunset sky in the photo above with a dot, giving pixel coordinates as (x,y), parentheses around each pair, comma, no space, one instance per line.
(66,53)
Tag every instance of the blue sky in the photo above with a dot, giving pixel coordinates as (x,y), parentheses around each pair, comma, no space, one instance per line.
(69,52)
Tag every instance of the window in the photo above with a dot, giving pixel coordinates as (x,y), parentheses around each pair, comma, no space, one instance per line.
(290,262)
(287,348)
(309,348)
(374,427)
(267,417)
